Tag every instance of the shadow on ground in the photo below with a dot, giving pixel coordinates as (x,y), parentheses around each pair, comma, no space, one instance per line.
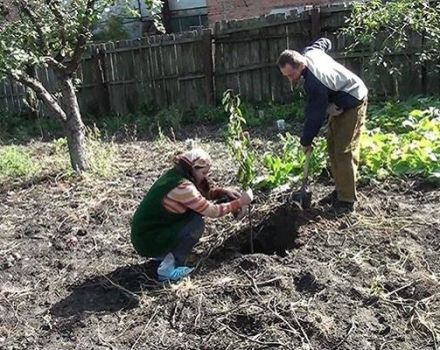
(119,289)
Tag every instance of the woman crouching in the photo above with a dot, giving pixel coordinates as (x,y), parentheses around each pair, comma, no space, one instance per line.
(169,221)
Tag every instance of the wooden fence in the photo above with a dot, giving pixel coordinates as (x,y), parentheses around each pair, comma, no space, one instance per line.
(194,68)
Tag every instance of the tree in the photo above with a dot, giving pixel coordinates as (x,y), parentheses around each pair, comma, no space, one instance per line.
(388,27)
(54,34)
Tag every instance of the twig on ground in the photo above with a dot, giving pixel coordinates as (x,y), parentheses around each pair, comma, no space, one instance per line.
(242,336)
(137,297)
(302,330)
(343,340)
(145,327)
(399,289)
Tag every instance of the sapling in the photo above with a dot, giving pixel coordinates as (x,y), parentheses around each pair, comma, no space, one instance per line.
(238,142)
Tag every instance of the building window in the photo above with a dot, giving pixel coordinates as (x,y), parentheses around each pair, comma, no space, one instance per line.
(180,24)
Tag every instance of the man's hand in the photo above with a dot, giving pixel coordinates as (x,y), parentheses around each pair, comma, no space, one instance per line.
(333,110)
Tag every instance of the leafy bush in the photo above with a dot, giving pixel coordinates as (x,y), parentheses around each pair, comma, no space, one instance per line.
(415,152)
(111,30)
(169,117)
(206,114)
(287,165)
(390,116)
(387,27)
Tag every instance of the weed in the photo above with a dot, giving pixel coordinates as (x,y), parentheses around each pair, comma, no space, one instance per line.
(15,162)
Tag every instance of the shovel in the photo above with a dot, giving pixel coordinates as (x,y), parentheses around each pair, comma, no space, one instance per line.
(303,198)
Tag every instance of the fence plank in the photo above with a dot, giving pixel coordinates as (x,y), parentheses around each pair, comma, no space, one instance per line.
(196,67)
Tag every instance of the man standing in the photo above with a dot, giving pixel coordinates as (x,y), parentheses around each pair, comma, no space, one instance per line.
(334,92)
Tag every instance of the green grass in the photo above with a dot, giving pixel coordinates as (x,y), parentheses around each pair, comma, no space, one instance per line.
(16,162)
(403,140)
(37,159)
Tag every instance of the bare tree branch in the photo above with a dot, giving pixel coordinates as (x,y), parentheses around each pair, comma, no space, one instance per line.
(53,63)
(49,99)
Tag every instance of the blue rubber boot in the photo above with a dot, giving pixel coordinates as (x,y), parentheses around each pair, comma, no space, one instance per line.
(167,271)
(176,274)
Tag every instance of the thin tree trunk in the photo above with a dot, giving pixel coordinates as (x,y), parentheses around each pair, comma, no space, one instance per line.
(74,127)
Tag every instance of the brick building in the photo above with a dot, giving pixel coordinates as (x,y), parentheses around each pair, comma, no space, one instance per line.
(219,10)
(189,14)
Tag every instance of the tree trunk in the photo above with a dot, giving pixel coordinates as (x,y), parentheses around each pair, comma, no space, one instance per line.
(74,127)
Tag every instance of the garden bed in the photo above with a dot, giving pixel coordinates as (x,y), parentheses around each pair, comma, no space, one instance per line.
(71,279)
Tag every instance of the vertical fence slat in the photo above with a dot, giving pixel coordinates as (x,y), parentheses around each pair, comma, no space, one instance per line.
(196,67)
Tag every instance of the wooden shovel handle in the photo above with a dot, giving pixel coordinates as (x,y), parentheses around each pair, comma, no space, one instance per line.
(306,169)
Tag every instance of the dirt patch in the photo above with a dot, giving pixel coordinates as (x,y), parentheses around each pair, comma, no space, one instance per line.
(307,284)
(70,278)
(275,234)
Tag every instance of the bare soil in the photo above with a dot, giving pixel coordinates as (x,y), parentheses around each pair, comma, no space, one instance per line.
(71,280)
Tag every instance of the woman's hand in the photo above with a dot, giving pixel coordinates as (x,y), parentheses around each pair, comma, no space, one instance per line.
(246,198)
(231,194)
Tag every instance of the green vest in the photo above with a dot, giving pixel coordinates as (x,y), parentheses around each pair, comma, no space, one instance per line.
(154,229)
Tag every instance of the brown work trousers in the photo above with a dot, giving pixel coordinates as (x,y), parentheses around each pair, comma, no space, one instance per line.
(343,144)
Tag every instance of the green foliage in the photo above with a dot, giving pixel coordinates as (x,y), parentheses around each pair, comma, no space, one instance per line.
(393,26)
(268,114)
(390,116)
(376,152)
(292,111)
(48,31)
(20,162)
(169,117)
(15,162)
(403,140)
(22,128)
(415,152)
(102,154)
(206,114)
(113,30)
(238,141)
(287,165)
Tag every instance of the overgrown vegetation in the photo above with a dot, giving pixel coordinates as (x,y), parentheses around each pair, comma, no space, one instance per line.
(21,162)
(102,154)
(408,27)
(55,35)
(15,162)
(402,140)
(145,121)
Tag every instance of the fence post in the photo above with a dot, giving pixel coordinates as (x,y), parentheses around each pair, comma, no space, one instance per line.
(315,15)
(102,92)
(208,68)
